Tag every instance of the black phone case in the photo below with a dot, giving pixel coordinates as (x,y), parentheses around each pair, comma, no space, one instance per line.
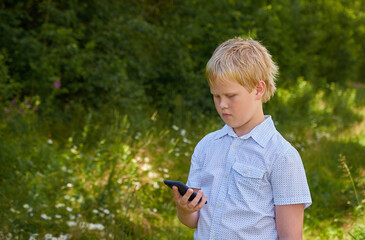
(181,187)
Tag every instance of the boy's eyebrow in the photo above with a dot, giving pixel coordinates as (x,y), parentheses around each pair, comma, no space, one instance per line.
(225,93)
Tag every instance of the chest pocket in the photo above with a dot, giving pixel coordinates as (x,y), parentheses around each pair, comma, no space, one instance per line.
(245,182)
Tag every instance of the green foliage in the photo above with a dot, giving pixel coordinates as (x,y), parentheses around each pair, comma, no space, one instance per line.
(105,180)
(8,87)
(104,176)
(318,40)
(304,114)
(101,101)
(154,52)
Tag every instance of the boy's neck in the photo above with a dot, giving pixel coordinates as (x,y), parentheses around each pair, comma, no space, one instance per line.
(254,121)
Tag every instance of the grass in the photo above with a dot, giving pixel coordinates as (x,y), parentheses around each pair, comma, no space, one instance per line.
(98,175)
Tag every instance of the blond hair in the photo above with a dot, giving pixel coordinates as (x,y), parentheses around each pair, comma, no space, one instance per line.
(244,61)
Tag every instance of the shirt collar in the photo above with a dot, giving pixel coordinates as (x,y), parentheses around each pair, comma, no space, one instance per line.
(262,133)
(226,130)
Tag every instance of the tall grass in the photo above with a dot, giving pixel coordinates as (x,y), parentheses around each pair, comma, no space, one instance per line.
(99,175)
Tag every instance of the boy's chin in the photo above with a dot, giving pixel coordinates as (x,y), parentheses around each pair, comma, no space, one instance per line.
(229,123)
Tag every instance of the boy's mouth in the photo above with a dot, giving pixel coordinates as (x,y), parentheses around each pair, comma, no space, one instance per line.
(225,115)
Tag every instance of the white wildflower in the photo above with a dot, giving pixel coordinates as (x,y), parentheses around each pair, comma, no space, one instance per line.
(62,237)
(152,175)
(95,211)
(137,184)
(185,140)
(67,197)
(58,205)
(26,206)
(49,141)
(58,216)
(106,211)
(9,236)
(146,167)
(138,135)
(74,150)
(176,128)
(183,132)
(45,217)
(71,223)
(147,159)
(156,185)
(48,236)
(96,226)
(69,209)
(69,185)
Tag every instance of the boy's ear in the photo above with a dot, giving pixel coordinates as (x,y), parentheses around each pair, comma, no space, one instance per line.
(260,89)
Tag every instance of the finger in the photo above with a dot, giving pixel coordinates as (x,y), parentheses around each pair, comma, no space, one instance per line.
(185,198)
(202,202)
(197,198)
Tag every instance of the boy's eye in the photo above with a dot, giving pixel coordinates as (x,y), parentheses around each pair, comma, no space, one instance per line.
(231,96)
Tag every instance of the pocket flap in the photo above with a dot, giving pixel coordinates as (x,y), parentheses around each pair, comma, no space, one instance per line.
(248,171)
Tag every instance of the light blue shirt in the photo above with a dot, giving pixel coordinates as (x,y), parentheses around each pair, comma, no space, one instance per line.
(244,178)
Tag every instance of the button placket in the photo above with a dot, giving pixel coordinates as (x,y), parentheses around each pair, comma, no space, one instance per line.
(217,213)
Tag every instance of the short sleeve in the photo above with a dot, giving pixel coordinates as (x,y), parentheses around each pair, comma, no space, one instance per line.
(288,179)
(194,179)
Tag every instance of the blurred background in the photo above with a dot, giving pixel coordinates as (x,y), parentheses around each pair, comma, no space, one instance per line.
(100,101)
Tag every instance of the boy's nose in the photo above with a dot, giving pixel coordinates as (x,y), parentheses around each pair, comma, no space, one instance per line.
(223,104)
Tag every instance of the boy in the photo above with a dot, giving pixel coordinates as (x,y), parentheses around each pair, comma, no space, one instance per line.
(252,177)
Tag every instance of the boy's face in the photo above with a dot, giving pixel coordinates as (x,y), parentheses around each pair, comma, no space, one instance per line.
(239,108)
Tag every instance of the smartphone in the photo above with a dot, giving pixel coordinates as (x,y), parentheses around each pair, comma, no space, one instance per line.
(181,187)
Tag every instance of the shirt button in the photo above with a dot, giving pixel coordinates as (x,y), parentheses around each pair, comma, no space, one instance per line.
(245,171)
(213,235)
(226,175)
(219,205)
(234,146)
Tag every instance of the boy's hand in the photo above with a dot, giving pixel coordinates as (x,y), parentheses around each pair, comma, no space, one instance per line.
(184,205)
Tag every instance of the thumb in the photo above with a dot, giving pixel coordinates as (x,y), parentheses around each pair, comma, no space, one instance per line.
(177,195)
